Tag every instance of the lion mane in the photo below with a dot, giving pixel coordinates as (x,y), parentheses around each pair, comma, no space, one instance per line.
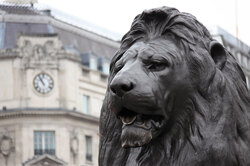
(213,129)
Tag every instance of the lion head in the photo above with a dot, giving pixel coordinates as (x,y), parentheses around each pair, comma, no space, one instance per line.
(175,97)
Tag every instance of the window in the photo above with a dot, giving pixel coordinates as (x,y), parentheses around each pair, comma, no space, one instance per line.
(93,63)
(244,61)
(2,32)
(248,82)
(85,104)
(105,68)
(88,148)
(239,58)
(50,28)
(103,65)
(233,51)
(44,142)
(248,60)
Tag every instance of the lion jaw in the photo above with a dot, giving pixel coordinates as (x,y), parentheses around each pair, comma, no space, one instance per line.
(139,129)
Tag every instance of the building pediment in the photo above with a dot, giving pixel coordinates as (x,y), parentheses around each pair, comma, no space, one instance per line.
(39,47)
(45,160)
(43,51)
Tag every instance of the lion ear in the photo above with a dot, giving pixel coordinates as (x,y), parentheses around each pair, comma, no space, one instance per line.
(218,53)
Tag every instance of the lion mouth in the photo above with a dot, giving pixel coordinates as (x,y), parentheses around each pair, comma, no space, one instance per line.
(139,129)
(129,118)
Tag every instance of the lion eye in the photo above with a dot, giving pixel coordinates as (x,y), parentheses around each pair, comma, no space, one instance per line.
(157,66)
(118,68)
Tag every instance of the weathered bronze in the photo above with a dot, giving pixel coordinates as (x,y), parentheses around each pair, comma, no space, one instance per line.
(175,97)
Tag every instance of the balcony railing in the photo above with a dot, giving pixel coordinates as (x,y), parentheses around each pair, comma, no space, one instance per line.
(89,157)
(44,151)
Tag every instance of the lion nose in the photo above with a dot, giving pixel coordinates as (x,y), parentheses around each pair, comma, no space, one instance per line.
(121,86)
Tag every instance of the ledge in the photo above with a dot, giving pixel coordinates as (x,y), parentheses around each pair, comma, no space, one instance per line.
(49,112)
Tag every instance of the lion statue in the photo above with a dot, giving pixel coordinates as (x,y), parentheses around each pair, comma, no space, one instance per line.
(175,97)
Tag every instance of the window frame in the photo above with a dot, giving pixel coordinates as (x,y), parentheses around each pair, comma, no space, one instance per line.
(86,109)
(248,82)
(239,57)
(88,148)
(244,61)
(93,63)
(46,142)
(2,34)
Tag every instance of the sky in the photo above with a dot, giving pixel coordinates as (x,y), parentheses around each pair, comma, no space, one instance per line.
(117,15)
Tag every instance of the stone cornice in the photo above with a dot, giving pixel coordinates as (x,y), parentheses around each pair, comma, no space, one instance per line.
(43,112)
(9,53)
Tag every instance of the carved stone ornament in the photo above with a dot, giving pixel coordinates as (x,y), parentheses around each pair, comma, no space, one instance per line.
(47,49)
(74,144)
(43,51)
(43,56)
(27,49)
(39,51)
(6,144)
(175,97)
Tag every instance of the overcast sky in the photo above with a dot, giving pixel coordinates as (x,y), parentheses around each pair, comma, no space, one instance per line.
(117,15)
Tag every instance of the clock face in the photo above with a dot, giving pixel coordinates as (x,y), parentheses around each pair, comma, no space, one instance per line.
(43,83)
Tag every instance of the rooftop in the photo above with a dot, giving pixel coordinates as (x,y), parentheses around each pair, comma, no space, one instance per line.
(25,20)
(23,10)
(230,39)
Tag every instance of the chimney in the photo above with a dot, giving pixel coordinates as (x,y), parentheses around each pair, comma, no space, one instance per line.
(46,12)
(21,2)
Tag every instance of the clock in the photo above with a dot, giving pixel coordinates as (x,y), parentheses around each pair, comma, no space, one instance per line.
(43,83)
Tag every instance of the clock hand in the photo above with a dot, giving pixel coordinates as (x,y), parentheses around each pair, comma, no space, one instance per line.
(41,80)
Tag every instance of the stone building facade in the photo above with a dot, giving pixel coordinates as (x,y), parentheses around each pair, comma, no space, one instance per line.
(53,78)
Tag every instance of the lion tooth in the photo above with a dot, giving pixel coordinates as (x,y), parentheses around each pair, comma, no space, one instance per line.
(128,120)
